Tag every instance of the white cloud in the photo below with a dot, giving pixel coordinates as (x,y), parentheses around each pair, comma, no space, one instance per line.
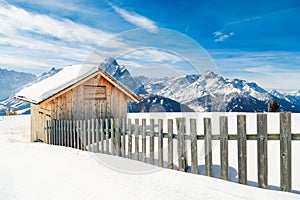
(153,55)
(30,39)
(220,36)
(136,19)
(17,21)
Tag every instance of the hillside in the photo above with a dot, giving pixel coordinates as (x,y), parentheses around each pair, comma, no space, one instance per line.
(11,81)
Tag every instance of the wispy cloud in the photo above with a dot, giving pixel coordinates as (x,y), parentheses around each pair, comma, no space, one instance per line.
(136,19)
(38,40)
(220,36)
(271,69)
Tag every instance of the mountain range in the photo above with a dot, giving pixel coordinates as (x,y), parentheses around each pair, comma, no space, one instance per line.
(206,92)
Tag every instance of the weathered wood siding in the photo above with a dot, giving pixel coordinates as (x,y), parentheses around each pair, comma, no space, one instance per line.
(74,104)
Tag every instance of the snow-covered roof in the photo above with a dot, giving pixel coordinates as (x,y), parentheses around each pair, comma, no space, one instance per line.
(66,78)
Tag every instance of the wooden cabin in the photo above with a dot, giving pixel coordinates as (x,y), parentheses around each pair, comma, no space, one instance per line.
(75,93)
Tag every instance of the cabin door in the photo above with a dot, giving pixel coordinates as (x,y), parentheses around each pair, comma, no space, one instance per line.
(95,102)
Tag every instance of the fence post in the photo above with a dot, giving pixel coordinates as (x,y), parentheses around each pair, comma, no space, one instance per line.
(170,143)
(144,140)
(208,146)
(107,136)
(136,133)
(182,159)
(160,143)
(123,137)
(97,135)
(152,141)
(262,150)
(129,140)
(112,137)
(194,153)
(224,147)
(242,149)
(118,136)
(285,152)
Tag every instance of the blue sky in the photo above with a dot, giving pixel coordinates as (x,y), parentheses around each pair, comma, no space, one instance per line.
(253,40)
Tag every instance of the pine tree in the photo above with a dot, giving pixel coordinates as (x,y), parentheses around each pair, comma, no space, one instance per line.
(275,106)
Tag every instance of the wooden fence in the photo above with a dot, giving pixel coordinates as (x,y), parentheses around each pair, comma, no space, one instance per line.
(108,136)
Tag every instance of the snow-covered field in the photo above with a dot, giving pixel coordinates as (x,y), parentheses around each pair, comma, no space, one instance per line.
(39,171)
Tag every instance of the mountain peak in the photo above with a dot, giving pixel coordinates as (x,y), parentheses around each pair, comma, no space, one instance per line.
(209,74)
(108,62)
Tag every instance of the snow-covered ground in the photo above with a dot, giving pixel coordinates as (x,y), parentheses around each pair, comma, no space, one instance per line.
(40,171)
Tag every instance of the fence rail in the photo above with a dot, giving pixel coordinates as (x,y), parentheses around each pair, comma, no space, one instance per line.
(109,136)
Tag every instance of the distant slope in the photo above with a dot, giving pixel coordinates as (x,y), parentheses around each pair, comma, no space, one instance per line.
(155,103)
(9,103)
(211,92)
(11,81)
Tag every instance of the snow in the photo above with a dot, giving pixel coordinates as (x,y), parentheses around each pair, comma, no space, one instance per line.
(48,87)
(40,171)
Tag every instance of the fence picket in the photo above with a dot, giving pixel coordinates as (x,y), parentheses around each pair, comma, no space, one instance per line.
(182,158)
(107,136)
(160,143)
(285,152)
(71,134)
(262,150)
(101,136)
(152,141)
(194,156)
(88,135)
(56,132)
(224,147)
(242,149)
(123,137)
(170,143)
(144,140)
(208,146)
(84,135)
(68,133)
(78,140)
(136,133)
(93,135)
(118,137)
(129,140)
(112,137)
(61,137)
(47,132)
(97,137)
(63,133)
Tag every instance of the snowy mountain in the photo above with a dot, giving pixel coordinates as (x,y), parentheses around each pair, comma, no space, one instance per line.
(9,103)
(211,92)
(119,72)
(11,81)
(155,103)
(205,93)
